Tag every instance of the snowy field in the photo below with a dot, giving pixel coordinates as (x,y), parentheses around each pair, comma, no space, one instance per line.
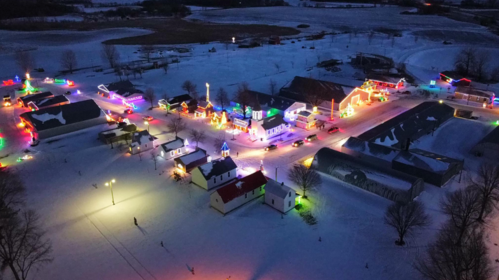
(93,239)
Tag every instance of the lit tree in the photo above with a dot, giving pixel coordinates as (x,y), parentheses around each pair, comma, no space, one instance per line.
(306,178)
(222,97)
(68,60)
(405,218)
(111,55)
(198,136)
(150,96)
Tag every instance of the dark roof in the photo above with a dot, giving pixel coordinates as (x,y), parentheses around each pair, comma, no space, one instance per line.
(179,99)
(425,160)
(242,186)
(119,85)
(277,189)
(32,97)
(46,102)
(406,125)
(273,121)
(128,91)
(492,137)
(271,101)
(383,78)
(51,117)
(191,157)
(300,86)
(203,103)
(371,149)
(217,167)
(304,113)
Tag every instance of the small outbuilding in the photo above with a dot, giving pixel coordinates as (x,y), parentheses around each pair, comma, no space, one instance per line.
(238,193)
(387,81)
(173,148)
(123,90)
(279,196)
(214,173)
(188,162)
(142,141)
(472,94)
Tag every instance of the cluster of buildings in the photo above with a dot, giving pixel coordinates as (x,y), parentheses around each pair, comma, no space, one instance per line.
(465,90)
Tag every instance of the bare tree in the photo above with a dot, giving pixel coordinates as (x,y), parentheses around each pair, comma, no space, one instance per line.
(272,87)
(315,97)
(465,60)
(147,50)
(219,141)
(111,55)
(243,97)
(393,41)
(486,184)
(176,125)
(24,60)
(198,136)
(222,97)
(190,88)
(480,68)
(462,207)
(306,178)
(165,66)
(22,243)
(277,66)
(446,260)
(11,192)
(495,74)
(405,218)
(150,96)
(68,60)
(154,158)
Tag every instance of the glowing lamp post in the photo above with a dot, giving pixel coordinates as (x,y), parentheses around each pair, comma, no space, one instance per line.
(207,92)
(110,184)
(233,40)
(147,123)
(27,76)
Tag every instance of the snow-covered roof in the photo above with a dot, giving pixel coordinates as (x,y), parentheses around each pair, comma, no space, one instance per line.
(274,121)
(189,158)
(46,102)
(142,137)
(242,186)
(278,189)
(173,145)
(52,117)
(371,149)
(217,167)
(422,162)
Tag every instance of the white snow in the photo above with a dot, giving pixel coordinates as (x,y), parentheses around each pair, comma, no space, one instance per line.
(192,156)
(172,145)
(46,117)
(431,119)
(428,163)
(239,184)
(206,168)
(387,141)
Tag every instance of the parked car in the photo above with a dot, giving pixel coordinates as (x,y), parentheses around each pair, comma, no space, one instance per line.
(298,143)
(128,111)
(333,129)
(311,138)
(271,147)
(148,118)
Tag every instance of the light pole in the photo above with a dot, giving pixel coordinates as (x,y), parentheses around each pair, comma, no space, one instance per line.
(147,123)
(110,184)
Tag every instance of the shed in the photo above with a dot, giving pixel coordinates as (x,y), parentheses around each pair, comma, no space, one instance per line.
(238,193)
(279,196)
(173,148)
(190,161)
(214,173)
(53,121)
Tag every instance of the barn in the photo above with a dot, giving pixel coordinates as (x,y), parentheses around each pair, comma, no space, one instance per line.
(54,121)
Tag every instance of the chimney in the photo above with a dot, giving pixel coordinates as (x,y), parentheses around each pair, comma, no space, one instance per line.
(407,144)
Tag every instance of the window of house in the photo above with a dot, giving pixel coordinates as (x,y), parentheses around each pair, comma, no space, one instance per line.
(221,177)
(253,192)
(289,203)
(272,202)
(289,194)
(228,174)
(245,195)
(172,153)
(214,179)
(178,151)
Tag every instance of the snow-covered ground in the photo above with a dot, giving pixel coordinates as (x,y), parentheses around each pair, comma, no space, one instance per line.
(93,239)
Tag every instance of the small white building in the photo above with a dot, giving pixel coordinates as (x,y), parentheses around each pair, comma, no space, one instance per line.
(215,173)
(173,148)
(268,127)
(142,141)
(279,196)
(233,195)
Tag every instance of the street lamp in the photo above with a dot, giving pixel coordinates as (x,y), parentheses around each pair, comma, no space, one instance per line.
(110,184)
(147,123)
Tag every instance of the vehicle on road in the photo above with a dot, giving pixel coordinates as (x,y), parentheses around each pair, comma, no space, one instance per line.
(298,143)
(333,130)
(311,138)
(271,147)
(128,111)
(147,118)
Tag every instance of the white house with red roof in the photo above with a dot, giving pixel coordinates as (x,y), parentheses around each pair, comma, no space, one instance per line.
(233,195)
